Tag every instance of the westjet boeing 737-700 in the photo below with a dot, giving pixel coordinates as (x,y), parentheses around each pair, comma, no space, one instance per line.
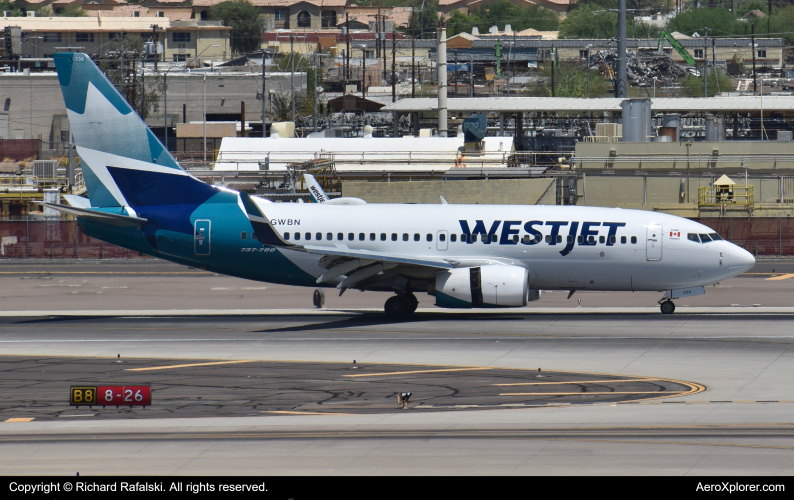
(465,255)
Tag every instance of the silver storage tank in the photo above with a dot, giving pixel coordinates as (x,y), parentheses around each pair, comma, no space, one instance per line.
(636,120)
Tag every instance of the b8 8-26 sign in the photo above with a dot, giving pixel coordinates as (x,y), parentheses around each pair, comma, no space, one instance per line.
(111,395)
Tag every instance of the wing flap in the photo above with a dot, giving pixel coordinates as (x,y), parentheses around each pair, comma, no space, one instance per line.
(380,256)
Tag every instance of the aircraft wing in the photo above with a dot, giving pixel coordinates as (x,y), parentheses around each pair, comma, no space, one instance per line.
(105,218)
(379,256)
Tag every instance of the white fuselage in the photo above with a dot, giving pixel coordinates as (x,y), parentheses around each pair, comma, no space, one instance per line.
(612,249)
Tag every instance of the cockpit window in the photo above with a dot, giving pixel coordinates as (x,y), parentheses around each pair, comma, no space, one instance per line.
(715,236)
(693,237)
(705,238)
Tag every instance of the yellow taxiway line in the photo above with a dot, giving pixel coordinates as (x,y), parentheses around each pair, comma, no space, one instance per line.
(781,277)
(584,393)
(169,367)
(581,382)
(418,371)
(27,419)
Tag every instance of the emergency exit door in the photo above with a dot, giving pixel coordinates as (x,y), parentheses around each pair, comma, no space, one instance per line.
(201,237)
(653,243)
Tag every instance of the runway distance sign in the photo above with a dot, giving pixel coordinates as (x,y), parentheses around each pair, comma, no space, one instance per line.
(111,395)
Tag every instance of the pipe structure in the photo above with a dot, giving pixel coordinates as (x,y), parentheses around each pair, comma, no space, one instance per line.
(441,66)
(621,90)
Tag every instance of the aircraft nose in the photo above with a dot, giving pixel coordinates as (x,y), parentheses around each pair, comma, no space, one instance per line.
(740,259)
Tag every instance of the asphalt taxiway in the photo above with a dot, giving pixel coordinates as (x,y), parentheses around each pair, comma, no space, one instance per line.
(731,361)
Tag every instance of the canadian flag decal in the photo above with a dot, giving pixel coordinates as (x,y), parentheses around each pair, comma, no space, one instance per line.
(675,233)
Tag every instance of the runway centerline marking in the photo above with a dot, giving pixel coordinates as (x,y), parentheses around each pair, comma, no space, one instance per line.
(580,382)
(782,277)
(12,420)
(418,371)
(585,393)
(169,367)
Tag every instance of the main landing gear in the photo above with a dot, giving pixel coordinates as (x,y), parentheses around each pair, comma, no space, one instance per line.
(401,306)
(667,307)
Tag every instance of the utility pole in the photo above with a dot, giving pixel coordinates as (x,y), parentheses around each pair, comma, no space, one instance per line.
(315,89)
(393,69)
(264,99)
(413,63)
(471,77)
(363,71)
(553,57)
(621,89)
(383,36)
(292,73)
(706,63)
(347,54)
(752,49)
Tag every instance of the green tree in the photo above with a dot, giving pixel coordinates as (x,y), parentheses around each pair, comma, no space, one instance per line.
(71,11)
(424,23)
(718,81)
(9,6)
(121,63)
(244,20)
(570,80)
(720,20)
(593,21)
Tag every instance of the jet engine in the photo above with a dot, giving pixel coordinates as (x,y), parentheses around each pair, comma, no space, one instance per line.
(486,286)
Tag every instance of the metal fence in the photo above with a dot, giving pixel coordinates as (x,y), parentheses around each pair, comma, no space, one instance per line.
(54,239)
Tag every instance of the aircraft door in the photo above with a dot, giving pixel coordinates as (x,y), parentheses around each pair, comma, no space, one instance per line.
(653,243)
(441,240)
(201,237)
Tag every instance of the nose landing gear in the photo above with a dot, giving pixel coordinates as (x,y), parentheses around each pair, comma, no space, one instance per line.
(401,306)
(667,307)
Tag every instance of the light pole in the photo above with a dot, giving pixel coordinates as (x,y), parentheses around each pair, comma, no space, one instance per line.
(165,101)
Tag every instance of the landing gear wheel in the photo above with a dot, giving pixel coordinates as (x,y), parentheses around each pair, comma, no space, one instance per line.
(413,302)
(397,307)
(668,307)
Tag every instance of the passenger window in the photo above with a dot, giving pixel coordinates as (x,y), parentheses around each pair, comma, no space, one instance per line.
(633,240)
(394,236)
(286,236)
(453,237)
(525,239)
(515,238)
(602,239)
(429,237)
(714,236)
(243,235)
(329,236)
(493,238)
(405,236)
(297,236)
(591,240)
(318,236)
(351,236)
(371,236)
(382,236)
(693,237)
(253,236)
(705,238)
(579,239)
(442,237)
(623,240)
(340,236)
(361,236)
(548,238)
(559,238)
(308,236)
(416,237)
(612,240)
(463,238)
(538,237)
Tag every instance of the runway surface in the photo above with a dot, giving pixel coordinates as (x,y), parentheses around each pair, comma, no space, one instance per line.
(740,423)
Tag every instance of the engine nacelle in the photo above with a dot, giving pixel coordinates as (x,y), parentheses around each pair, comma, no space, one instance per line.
(486,286)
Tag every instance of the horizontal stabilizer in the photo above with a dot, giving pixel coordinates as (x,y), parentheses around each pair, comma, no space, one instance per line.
(99,217)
